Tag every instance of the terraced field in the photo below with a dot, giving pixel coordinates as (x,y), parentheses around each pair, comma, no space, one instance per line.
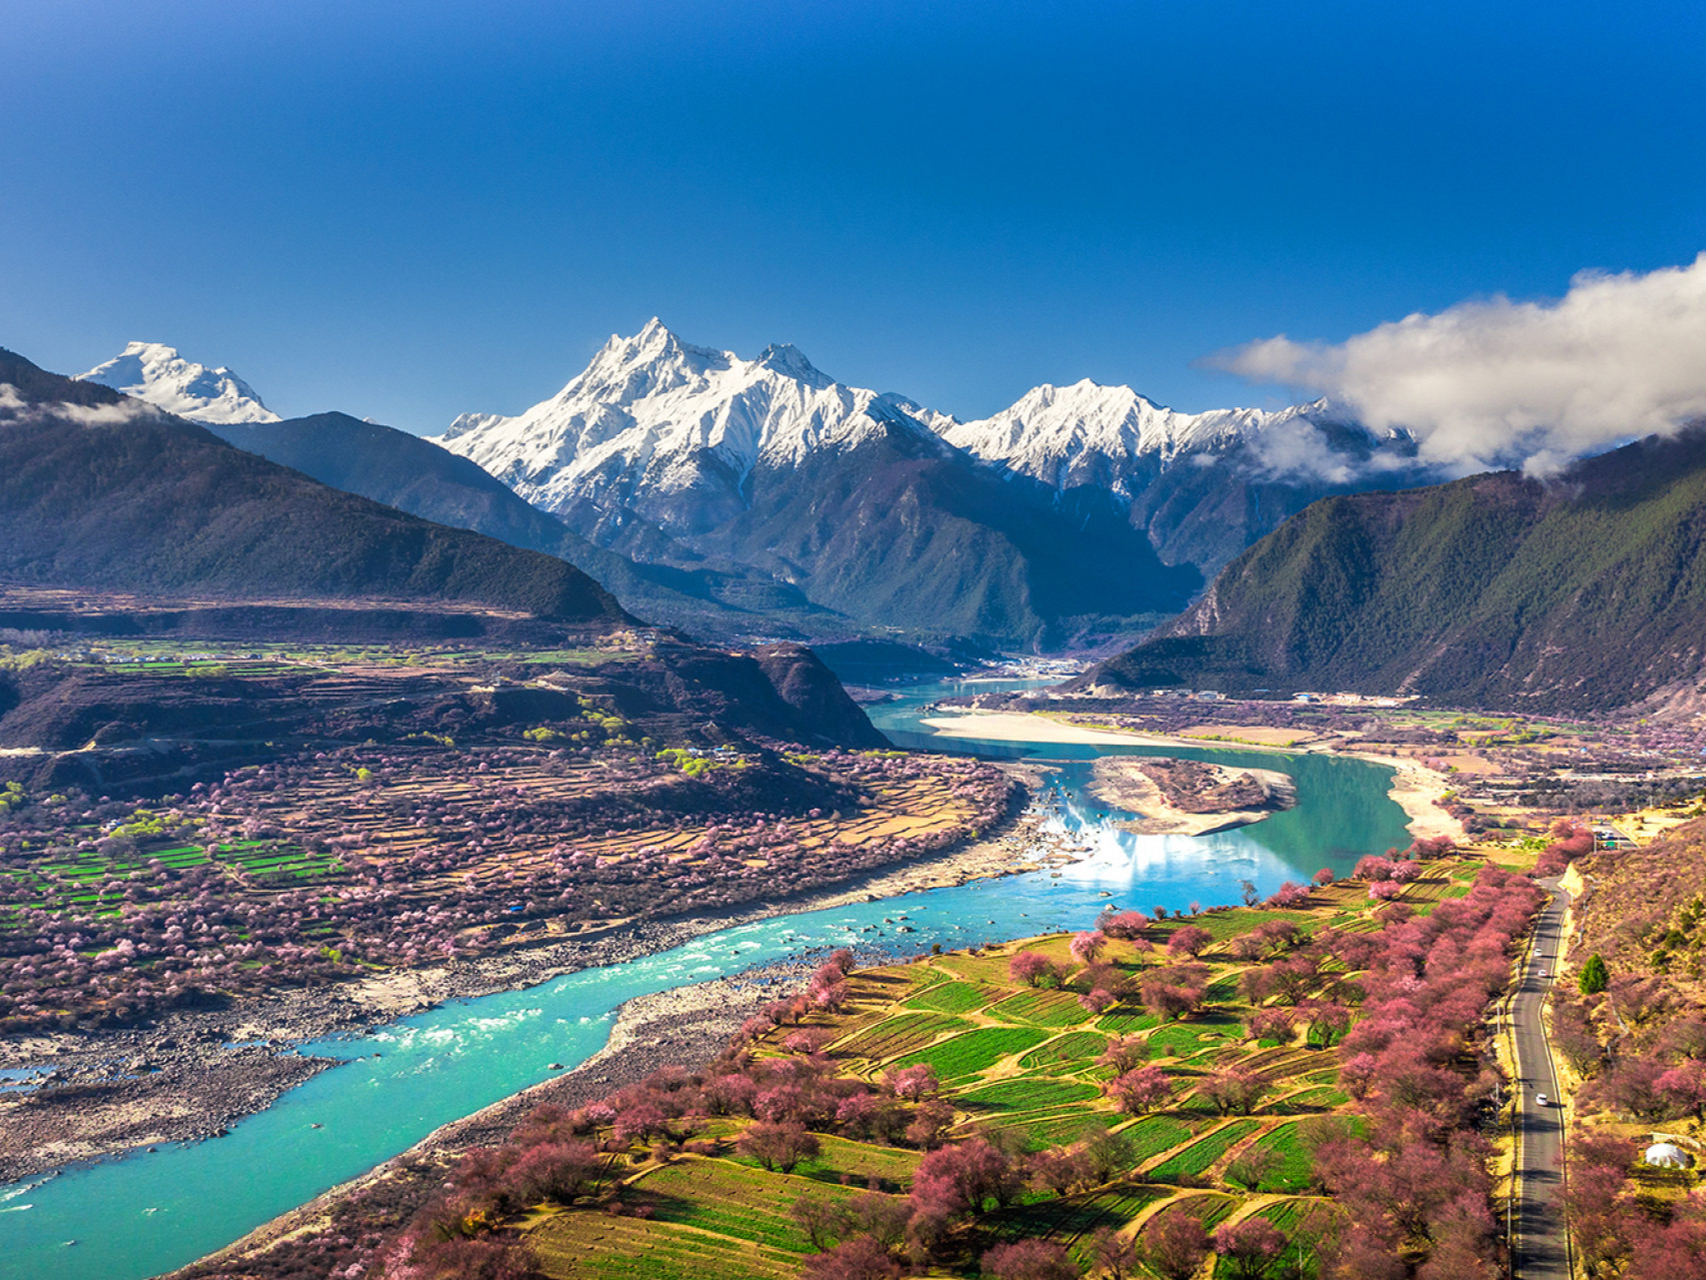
(953,997)
(1197,1157)
(1020,1065)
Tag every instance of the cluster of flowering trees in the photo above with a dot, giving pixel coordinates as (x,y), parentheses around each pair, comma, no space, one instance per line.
(1411,1195)
(1414,1184)
(409,857)
(1631,1025)
(1570,841)
(1167,990)
(570,1157)
(1621,1229)
(1641,1049)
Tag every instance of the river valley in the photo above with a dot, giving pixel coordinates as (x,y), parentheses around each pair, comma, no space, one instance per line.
(135,1217)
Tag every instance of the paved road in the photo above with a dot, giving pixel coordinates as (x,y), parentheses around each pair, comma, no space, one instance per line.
(1539,1244)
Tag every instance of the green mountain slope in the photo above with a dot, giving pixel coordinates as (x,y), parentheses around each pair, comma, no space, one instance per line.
(1584,592)
(98,491)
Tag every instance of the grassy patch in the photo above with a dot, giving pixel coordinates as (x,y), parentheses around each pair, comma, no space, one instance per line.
(1027,1094)
(1197,1157)
(974,1051)
(569,1246)
(900,1034)
(1073,1051)
(1181,1040)
(1041,1008)
(1064,1130)
(1152,1135)
(732,1200)
(952,997)
(1292,1173)
(1067,1218)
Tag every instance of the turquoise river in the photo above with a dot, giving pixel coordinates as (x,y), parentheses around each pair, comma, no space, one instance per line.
(135,1217)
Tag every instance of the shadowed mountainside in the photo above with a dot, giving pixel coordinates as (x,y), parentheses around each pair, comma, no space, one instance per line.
(936,543)
(98,491)
(121,728)
(1584,592)
(418,476)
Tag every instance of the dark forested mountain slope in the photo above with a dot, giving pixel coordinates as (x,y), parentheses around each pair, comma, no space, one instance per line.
(889,530)
(935,543)
(418,476)
(98,491)
(1205,509)
(1587,591)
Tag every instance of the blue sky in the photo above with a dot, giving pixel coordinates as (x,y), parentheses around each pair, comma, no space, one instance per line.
(411,210)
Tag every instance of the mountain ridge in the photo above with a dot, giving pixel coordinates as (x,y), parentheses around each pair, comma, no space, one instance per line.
(416,475)
(664,450)
(99,491)
(1584,592)
(669,453)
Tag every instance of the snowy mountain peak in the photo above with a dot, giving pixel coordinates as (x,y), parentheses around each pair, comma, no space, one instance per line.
(156,373)
(652,418)
(466,422)
(787,359)
(1087,433)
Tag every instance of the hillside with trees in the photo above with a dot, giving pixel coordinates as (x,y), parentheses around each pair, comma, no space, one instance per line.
(1583,592)
(100,492)
(1628,1025)
(1300,1087)
(415,475)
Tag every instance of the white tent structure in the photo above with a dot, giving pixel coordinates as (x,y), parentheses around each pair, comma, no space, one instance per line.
(1665,1155)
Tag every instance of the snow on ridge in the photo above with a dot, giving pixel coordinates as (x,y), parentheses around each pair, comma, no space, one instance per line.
(655,414)
(157,374)
(1054,433)
(653,417)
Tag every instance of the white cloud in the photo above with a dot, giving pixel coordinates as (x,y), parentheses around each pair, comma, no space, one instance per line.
(1497,382)
(88,415)
(91,415)
(1297,450)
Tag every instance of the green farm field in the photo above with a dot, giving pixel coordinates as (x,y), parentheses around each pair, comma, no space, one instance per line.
(1024,1067)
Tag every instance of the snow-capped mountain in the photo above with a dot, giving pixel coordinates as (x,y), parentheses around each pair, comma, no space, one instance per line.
(689,457)
(1111,437)
(156,373)
(655,416)
(1070,504)
(676,430)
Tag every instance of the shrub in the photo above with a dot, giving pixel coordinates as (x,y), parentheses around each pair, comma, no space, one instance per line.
(1249,1246)
(778,1145)
(1174,1245)
(1033,969)
(1138,1092)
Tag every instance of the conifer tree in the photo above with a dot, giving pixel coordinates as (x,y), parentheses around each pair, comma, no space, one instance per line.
(1595,978)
